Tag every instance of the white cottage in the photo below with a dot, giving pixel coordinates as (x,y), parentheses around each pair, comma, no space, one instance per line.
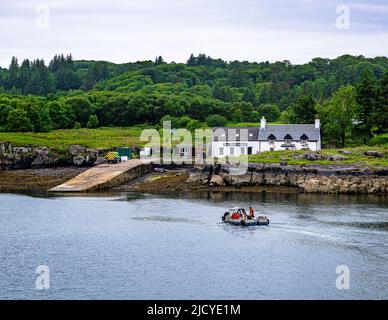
(231,141)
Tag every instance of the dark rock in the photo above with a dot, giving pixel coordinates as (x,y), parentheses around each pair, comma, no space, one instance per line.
(336,157)
(76,150)
(373,153)
(43,158)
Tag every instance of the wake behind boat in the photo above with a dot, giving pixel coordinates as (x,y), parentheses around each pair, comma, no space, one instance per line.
(238,216)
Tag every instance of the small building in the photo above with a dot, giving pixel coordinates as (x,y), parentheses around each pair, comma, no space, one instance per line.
(231,141)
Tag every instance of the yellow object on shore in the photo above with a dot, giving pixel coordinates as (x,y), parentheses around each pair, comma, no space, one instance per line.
(112,155)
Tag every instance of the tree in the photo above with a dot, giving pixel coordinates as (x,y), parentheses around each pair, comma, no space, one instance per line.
(18,121)
(159,60)
(216,120)
(338,115)
(81,108)
(13,73)
(24,74)
(304,110)
(270,111)
(92,122)
(366,100)
(59,115)
(380,112)
(192,61)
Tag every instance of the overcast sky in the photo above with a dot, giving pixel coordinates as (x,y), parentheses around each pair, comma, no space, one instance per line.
(131,30)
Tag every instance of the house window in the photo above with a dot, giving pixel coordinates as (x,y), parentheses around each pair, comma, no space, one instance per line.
(231,151)
(271,139)
(249,150)
(251,134)
(242,150)
(221,151)
(303,139)
(288,139)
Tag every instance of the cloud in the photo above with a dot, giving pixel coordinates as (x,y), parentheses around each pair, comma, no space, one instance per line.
(256,30)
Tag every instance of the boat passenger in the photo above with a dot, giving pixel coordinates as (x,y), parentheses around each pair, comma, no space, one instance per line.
(244,214)
(251,213)
(235,215)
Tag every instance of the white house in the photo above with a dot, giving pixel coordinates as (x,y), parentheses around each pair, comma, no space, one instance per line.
(231,141)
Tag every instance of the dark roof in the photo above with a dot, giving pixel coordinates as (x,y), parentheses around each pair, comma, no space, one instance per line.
(253,133)
(294,130)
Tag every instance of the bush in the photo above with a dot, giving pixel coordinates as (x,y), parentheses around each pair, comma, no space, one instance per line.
(92,122)
(77,125)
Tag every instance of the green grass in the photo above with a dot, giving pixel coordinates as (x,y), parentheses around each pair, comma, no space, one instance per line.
(356,157)
(62,139)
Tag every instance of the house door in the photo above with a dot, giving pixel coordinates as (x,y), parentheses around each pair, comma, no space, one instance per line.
(249,150)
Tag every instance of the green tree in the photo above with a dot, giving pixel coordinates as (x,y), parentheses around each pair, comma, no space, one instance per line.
(338,116)
(81,107)
(59,115)
(366,100)
(216,120)
(380,112)
(13,73)
(304,110)
(270,111)
(18,121)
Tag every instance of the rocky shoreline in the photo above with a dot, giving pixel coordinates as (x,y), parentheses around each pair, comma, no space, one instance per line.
(40,168)
(15,158)
(312,178)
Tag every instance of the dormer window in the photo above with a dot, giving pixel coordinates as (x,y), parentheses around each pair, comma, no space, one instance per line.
(271,139)
(303,139)
(288,139)
(251,134)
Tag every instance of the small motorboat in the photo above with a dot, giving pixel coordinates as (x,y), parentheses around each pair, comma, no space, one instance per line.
(238,217)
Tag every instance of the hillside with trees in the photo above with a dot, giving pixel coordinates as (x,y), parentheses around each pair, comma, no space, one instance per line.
(349,94)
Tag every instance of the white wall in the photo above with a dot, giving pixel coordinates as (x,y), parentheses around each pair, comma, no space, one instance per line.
(264,145)
(216,145)
(257,146)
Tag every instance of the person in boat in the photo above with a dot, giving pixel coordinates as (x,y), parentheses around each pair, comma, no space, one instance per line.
(251,213)
(235,215)
(243,214)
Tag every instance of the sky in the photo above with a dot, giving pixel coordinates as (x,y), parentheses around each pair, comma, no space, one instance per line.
(253,30)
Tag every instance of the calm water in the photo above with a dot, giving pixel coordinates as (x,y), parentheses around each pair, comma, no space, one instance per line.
(126,246)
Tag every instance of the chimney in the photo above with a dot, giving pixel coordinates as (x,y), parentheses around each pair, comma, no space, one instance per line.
(317,123)
(263,123)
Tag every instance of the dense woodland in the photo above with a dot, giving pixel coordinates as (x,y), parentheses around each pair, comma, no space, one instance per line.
(349,94)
